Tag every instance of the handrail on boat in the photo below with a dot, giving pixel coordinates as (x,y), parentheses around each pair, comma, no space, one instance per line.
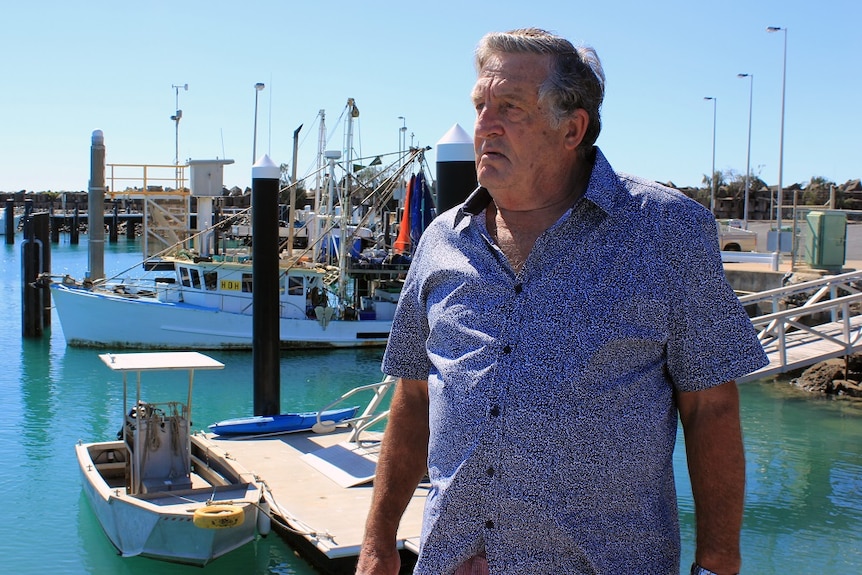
(368,417)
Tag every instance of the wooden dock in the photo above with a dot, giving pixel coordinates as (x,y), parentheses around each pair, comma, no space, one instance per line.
(320,491)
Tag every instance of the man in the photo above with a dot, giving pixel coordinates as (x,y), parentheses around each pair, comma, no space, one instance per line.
(550,331)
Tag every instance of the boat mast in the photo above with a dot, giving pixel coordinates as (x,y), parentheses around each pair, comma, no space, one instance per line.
(344,251)
(316,224)
(331,156)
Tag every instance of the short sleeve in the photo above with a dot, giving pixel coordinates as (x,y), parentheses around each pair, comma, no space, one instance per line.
(711,338)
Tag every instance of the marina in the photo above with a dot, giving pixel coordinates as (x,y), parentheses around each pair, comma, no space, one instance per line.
(804,462)
(285,310)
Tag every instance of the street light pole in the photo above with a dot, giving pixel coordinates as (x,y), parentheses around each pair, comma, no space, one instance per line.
(781,141)
(176,118)
(748,154)
(257,88)
(712,174)
(402,135)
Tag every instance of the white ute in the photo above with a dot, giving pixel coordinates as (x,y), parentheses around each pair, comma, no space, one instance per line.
(732,237)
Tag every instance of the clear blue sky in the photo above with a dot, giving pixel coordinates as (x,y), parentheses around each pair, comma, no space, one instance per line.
(73,67)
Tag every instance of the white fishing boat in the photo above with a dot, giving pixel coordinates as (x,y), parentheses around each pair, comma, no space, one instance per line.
(207,305)
(339,277)
(159,491)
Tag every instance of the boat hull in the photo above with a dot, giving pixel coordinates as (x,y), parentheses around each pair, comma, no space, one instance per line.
(161,525)
(283,423)
(103,320)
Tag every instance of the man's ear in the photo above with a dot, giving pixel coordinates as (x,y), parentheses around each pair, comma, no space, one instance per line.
(576,127)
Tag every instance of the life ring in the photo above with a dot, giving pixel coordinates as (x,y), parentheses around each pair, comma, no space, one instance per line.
(219,516)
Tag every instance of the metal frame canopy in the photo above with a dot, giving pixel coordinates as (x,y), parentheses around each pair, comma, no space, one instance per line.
(154,361)
(167,360)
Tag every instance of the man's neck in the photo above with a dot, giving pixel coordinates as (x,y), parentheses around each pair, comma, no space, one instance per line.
(516,230)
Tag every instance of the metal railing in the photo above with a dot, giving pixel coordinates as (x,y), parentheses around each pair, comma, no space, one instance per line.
(812,308)
(370,416)
(142,180)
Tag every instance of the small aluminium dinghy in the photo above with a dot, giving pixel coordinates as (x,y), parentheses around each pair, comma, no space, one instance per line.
(159,491)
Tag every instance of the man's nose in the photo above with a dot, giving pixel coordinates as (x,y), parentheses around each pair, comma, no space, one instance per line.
(487,123)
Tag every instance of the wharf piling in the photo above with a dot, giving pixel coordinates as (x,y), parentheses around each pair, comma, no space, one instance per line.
(75,231)
(35,260)
(42,226)
(114,224)
(72,221)
(95,207)
(265,314)
(10,222)
(456,168)
(55,229)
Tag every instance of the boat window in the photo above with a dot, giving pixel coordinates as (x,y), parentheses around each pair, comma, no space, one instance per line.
(211,280)
(196,278)
(246,283)
(294,286)
(184,276)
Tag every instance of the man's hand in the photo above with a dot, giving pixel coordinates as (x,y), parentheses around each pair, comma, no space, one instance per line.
(374,561)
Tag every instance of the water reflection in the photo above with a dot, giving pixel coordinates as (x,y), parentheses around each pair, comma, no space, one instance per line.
(38,401)
(804,492)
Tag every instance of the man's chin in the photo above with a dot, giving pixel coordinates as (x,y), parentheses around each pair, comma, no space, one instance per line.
(491,178)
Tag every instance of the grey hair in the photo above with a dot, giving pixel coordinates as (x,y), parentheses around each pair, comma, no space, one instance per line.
(576,79)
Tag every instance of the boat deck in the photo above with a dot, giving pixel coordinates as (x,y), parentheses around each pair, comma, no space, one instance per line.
(321,489)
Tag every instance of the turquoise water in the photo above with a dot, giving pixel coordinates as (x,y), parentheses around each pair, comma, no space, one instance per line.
(804,506)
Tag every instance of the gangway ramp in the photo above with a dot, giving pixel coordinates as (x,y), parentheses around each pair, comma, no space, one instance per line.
(808,322)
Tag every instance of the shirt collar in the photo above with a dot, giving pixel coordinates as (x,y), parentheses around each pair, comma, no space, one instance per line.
(477,201)
(604,189)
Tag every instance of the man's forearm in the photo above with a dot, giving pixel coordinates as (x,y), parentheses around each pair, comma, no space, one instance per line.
(401,465)
(716,463)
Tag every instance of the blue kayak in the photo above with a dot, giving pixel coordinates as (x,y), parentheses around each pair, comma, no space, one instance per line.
(283,423)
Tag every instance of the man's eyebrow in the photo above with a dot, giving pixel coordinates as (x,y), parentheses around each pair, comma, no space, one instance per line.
(501,90)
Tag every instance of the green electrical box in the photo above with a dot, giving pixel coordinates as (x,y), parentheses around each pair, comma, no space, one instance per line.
(826,241)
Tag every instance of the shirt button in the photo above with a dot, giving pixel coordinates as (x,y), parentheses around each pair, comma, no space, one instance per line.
(489,524)
(519,288)
(507,349)
(490,472)
(495,411)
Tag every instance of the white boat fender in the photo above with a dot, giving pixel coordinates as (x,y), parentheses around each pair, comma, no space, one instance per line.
(264,521)
(218,516)
(325,426)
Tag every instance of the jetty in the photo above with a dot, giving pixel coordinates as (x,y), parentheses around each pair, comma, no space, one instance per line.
(318,483)
(319,488)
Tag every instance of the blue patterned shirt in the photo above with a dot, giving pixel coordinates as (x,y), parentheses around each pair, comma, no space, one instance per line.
(552,414)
